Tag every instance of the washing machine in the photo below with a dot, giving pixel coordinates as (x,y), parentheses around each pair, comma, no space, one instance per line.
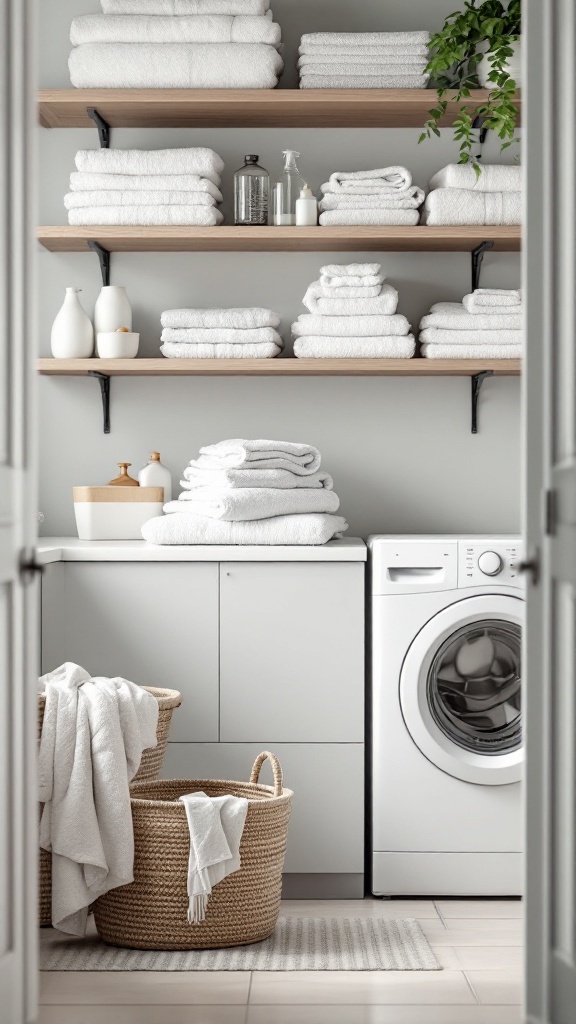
(447,755)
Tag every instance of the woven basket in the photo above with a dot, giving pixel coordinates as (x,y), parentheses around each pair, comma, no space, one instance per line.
(152,912)
(150,767)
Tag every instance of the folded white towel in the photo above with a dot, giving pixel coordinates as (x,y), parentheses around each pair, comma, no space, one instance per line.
(388,81)
(350,269)
(221,336)
(338,59)
(174,66)
(350,326)
(373,201)
(177,350)
(372,66)
(85,181)
(227,479)
(76,200)
(334,39)
(395,177)
(446,336)
(130,28)
(335,285)
(472,351)
(369,216)
(238,318)
(178,528)
(459,206)
(192,161)
(492,178)
(348,291)
(383,304)
(240,453)
(198,216)
(453,315)
(215,825)
(493,300)
(372,187)
(185,7)
(365,50)
(250,503)
(355,348)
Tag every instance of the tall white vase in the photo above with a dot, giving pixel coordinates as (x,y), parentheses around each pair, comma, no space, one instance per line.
(112,310)
(72,334)
(513,66)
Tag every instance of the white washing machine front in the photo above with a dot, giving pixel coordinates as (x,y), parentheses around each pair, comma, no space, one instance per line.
(460,689)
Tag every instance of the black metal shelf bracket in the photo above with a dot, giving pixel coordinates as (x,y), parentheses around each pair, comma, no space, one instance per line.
(477,381)
(102,126)
(477,256)
(104,381)
(104,257)
(478,125)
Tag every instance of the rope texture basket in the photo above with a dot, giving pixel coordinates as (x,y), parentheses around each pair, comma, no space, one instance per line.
(151,912)
(150,767)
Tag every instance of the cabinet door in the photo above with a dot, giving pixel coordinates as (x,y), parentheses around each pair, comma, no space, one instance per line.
(326,831)
(292,652)
(156,624)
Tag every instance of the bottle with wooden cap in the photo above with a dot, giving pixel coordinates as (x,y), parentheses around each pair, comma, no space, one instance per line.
(154,474)
(124,480)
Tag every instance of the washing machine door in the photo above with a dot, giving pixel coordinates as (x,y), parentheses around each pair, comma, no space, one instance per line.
(460,690)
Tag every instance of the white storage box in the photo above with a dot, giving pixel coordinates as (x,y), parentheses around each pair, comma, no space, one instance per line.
(115,513)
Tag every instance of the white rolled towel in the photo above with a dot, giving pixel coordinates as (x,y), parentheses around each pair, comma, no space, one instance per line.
(86,181)
(132,197)
(184,8)
(221,336)
(445,336)
(238,318)
(208,28)
(335,285)
(195,160)
(241,453)
(350,270)
(460,206)
(176,350)
(492,178)
(383,304)
(472,351)
(311,347)
(395,177)
(175,66)
(389,81)
(374,201)
(244,503)
(368,216)
(488,300)
(228,479)
(178,528)
(353,326)
(337,39)
(196,216)
(453,315)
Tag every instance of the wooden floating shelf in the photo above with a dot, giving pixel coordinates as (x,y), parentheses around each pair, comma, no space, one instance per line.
(245,108)
(283,367)
(64,238)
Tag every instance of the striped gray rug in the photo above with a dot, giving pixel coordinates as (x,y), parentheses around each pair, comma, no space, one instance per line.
(298,944)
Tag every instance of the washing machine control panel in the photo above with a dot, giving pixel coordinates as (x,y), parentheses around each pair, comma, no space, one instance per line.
(480,561)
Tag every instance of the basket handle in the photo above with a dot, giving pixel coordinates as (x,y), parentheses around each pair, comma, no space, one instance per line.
(276,770)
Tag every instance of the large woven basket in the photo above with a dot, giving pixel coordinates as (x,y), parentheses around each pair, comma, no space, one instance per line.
(152,912)
(150,767)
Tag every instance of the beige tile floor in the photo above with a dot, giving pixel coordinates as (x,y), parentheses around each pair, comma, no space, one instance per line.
(477,942)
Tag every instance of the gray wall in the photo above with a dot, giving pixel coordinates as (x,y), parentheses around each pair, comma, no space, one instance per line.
(400,450)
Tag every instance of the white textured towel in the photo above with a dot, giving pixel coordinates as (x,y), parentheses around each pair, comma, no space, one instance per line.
(375,201)
(198,216)
(196,160)
(453,315)
(241,453)
(177,350)
(178,528)
(492,178)
(86,181)
(238,318)
(388,81)
(459,206)
(347,59)
(488,300)
(350,326)
(472,351)
(250,503)
(183,8)
(351,291)
(373,66)
(227,479)
(446,336)
(350,270)
(335,39)
(175,66)
(221,336)
(370,215)
(365,50)
(215,825)
(130,28)
(132,197)
(340,285)
(384,303)
(355,348)
(93,735)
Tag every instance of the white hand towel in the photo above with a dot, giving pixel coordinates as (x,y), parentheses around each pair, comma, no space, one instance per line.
(130,28)
(373,187)
(385,303)
(312,528)
(251,503)
(445,336)
(459,206)
(177,350)
(394,177)
(185,8)
(472,351)
(76,200)
(358,291)
(334,285)
(85,181)
(240,453)
(493,300)
(379,62)
(198,161)
(388,81)
(492,178)
(350,270)
(227,479)
(350,326)
(369,216)
(365,50)
(174,66)
(221,336)
(216,825)
(311,347)
(238,318)
(453,315)
(373,201)
(400,39)
(198,216)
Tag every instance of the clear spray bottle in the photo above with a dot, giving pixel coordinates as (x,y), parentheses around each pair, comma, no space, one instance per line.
(292,182)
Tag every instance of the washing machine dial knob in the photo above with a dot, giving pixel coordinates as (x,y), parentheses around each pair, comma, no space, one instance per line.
(490,563)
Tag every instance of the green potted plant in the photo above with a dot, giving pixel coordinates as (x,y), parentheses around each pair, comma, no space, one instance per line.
(477,46)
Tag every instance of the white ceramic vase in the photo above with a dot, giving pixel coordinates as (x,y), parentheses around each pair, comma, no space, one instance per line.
(513,66)
(72,334)
(112,309)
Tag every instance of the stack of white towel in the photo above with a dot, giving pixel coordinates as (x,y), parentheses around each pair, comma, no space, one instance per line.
(363,60)
(220,334)
(251,492)
(487,324)
(459,196)
(132,186)
(382,196)
(352,316)
(185,44)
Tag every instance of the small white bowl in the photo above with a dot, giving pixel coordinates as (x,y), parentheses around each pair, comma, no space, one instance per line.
(117,344)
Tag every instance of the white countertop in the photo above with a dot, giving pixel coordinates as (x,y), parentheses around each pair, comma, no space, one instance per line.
(70,549)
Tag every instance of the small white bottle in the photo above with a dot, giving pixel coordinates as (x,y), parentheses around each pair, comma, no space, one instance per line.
(112,310)
(72,335)
(154,474)
(306,208)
